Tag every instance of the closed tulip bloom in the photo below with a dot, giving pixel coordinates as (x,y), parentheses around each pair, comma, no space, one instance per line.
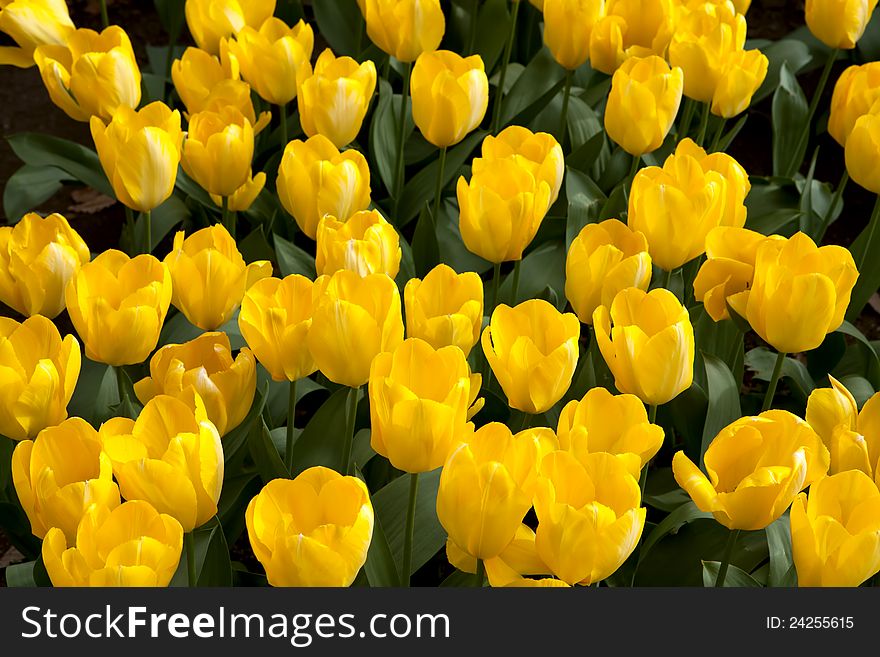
(539,152)
(756,467)
(364,243)
(602,260)
(445,308)
(838,23)
(197,73)
(32,23)
(355,319)
(218,150)
(243,197)
(404,28)
(333,99)
(647,340)
(450,94)
(502,208)
(567,28)
(487,485)
(744,71)
(38,256)
(532,349)
(60,474)
(140,153)
(132,545)
(272,56)
(644,99)
(210,21)
(590,516)
(37,378)
(92,74)
(863,151)
(274,320)
(205,365)
(855,92)
(800,292)
(118,304)
(630,28)
(314,530)
(835,531)
(315,179)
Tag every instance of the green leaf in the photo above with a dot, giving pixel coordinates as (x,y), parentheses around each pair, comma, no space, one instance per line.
(735,577)
(163,220)
(789,121)
(723,393)
(80,162)
(342,25)
(761,361)
(292,259)
(212,564)
(323,439)
(172,16)
(540,77)
(781,560)
(264,453)
(583,122)
(237,493)
(236,439)
(543,267)
(380,567)
(791,53)
(864,250)
(683,515)
(460,579)
(493,25)
(383,137)
(361,449)
(107,398)
(29,187)
(178,330)
(29,574)
(585,201)
(453,252)
(425,249)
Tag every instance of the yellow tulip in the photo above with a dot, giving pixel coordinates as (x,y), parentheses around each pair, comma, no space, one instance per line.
(314,530)
(404,28)
(197,73)
(532,349)
(355,318)
(568,25)
(205,365)
(616,424)
(132,545)
(274,320)
(835,531)
(539,152)
(855,92)
(315,179)
(650,347)
(644,99)
(487,485)
(863,150)
(38,256)
(140,153)
(171,457)
(838,23)
(243,197)
(117,305)
(631,28)
(501,209)
(211,21)
(272,56)
(333,99)
(30,24)
(445,308)
(744,71)
(604,259)
(218,150)
(420,402)
(92,74)
(800,292)
(364,243)
(60,474)
(590,516)
(756,466)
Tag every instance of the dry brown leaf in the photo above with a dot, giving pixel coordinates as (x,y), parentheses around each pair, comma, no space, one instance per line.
(89,201)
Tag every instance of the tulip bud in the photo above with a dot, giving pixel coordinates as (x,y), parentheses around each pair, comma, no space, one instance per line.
(631,28)
(568,25)
(132,545)
(60,474)
(140,152)
(314,530)
(365,243)
(30,24)
(838,23)
(539,152)
(210,21)
(744,71)
(333,99)
(855,92)
(756,466)
(863,150)
(315,179)
(38,256)
(404,28)
(274,320)
(92,74)
(218,150)
(243,197)
(117,305)
(650,348)
(197,73)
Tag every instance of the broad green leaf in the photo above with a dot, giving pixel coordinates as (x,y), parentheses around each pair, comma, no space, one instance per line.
(212,565)
(779,543)
(683,515)
(583,122)
(80,162)
(425,250)
(723,395)
(342,25)
(264,453)
(789,52)
(162,221)
(735,577)
(864,250)
(789,121)
(493,25)
(540,77)
(323,439)
(585,201)
(237,493)
(178,330)
(292,259)
(29,187)
(545,266)
(383,137)
(380,567)
(29,574)
(761,361)
(172,16)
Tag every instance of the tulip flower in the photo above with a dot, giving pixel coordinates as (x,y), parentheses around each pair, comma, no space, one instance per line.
(60,474)
(628,29)
(210,22)
(800,292)
(404,28)
(502,208)
(855,92)
(218,150)
(647,341)
(117,305)
(314,530)
(197,73)
(243,197)
(487,485)
(590,517)
(205,365)
(835,531)
(91,74)
(532,350)
(171,457)
(39,374)
(38,256)
(756,467)
(132,545)
(744,71)
(863,150)
(519,558)
(602,260)
(644,99)
(140,152)
(445,308)
(274,320)
(30,24)
(838,23)
(315,179)
(355,318)
(568,25)
(365,243)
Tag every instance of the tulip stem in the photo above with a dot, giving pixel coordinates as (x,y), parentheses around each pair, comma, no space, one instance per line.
(838,193)
(472,37)
(282,113)
(480,574)
(227,217)
(105,18)
(686,118)
(704,124)
(410,528)
(401,138)
(719,131)
(438,190)
(566,95)
(120,386)
(148,232)
(351,414)
(515,291)
(652,413)
(502,75)
(291,414)
(801,148)
(728,552)
(774,379)
(870,230)
(633,170)
(190,543)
